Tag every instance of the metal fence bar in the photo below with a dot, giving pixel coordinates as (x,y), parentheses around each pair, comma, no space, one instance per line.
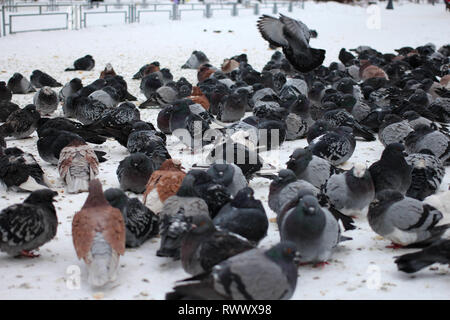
(44,14)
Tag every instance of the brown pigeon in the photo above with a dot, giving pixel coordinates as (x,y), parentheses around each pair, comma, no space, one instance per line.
(163,183)
(108,71)
(368,70)
(77,165)
(98,233)
(199,97)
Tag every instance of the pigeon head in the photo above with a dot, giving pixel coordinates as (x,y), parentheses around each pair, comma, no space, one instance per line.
(284,250)
(47,91)
(75,84)
(171,164)
(393,150)
(201,224)
(359,170)
(116,198)
(222,173)
(299,159)
(243,196)
(285,176)
(42,196)
(173,229)
(307,217)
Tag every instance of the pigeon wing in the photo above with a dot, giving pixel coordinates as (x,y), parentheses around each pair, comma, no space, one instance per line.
(271,29)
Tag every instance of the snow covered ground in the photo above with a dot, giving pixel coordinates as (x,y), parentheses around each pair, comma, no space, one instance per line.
(360,269)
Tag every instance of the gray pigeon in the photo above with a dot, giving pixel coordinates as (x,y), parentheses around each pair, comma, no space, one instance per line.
(69,89)
(311,168)
(176,219)
(163,96)
(426,176)
(245,216)
(425,137)
(140,222)
(251,275)
(293,36)
(27,226)
(404,220)
(394,129)
(229,175)
(18,84)
(313,229)
(285,187)
(134,172)
(196,59)
(46,101)
(206,245)
(351,192)
(106,95)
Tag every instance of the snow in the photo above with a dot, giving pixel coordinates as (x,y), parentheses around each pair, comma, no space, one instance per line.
(360,269)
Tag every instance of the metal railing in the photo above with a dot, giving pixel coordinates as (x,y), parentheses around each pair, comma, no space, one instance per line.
(76,14)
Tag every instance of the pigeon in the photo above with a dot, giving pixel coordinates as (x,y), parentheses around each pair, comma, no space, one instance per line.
(311,168)
(98,234)
(197,96)
(150,83)
(341,117)
(205,246)
(141,223)
(336,146)
(5,92)
(314,230)
(149,68)
(176,220)
(232,107)
(351,192)
(438,252)
(134,171)
(229,175)
(391,171)
(245,216)
(26,226)
(88,110)
(77,166)
(254,274)
(149,143)
(118,83)
(125,113)
(284,188)
(6,108)
(426,176)
(367,70)
(40,79)
(394,129)
(403,220)
(69,89)
(196,59)
(106,95)
(162,184)
(19,171)
(85,63)
(425,137)
(18,84)
(164,95)
(21,123)
(107,72)
(293,36)
(46,101)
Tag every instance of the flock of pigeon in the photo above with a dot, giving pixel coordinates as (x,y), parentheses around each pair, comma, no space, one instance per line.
(208,217)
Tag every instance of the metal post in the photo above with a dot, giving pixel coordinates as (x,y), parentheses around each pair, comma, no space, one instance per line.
(234,11)
(3,21)
(390,5)
(175,13)
(275,8)
(290,7)
(256,9)
(208,11)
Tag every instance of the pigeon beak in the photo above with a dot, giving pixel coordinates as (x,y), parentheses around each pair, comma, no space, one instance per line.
(184,66)
(297,258)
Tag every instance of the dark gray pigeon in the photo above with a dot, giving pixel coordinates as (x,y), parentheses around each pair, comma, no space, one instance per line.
(251,275)
(140,222)
(46,101)
(438,252)
(27,226)
(18,84)
(293,36)
(19,171)
(88,110)
(41,79)
(391,171)
(311,168)
(351,192)
(85,63)
(403,220)
(6,108)
(336,146)
(206,245)
(69,89)
(427,174)
(5,92)
(164,95)
(106,95)
(425,137)
(229,175)
(245,216)
(134,171)
(314,230)
(149,143)
(21,123)
(232,107)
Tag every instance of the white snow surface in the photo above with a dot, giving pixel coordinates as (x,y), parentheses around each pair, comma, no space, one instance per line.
(359,269)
